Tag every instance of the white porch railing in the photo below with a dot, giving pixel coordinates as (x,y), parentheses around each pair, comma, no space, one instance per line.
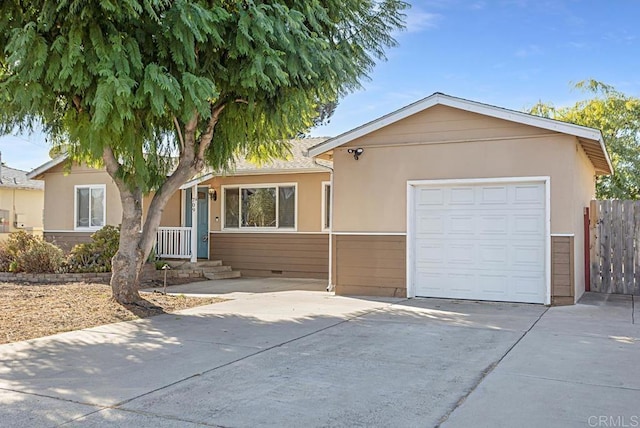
(173,242)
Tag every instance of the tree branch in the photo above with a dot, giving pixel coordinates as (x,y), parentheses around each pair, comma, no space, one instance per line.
(179,131)
(207,136)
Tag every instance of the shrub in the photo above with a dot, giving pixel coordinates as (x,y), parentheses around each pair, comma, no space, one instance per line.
(18,242)
(22,252)
(5,258)
(39,257)
(95,256)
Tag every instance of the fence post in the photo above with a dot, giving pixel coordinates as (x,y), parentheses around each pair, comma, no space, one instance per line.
(587,249)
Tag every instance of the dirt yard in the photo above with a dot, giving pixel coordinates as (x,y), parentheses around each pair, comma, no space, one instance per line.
(30,311)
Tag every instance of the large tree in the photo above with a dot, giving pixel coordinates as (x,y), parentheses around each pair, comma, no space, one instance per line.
(155,90)
(618,117)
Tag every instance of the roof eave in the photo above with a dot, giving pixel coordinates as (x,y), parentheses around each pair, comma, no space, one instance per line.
(37,172)
(245,172)
(466,105)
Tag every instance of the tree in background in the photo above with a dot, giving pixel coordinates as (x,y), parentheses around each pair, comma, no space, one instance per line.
(155,90)
(618,117)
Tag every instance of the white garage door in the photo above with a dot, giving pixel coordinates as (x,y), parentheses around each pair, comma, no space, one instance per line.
(480,241)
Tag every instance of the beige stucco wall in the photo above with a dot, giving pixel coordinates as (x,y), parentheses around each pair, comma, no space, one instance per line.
(59,196)
(370,193)
(309,196)
(171,214)
(28,202)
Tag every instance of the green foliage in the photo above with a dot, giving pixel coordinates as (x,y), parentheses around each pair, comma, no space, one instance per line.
(95,256)
(133,73)
(22,252)
(618,117)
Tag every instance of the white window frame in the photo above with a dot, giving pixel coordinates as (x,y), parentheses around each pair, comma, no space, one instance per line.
(75,206)
(323,213)
(246,229)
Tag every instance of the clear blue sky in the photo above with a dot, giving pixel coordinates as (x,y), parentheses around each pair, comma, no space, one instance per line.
(509,53)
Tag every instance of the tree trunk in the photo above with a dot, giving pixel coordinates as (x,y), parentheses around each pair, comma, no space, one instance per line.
(127,263)
(136,243)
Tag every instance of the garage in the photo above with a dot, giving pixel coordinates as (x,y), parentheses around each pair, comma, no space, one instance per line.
(452,198)
(480,240)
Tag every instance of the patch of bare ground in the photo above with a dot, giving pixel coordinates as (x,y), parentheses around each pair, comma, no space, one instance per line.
(29,311)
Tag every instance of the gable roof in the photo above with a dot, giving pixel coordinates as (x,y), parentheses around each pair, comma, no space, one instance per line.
(37,172)
(17,179)
(298,162)
(590,138)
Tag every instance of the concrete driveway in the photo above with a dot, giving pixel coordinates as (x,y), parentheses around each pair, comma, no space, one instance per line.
(307,358)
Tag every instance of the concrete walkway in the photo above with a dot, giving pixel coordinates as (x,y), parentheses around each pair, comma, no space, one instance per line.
(308,358)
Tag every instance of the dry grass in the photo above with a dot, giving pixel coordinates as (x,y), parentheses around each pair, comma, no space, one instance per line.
(30,311)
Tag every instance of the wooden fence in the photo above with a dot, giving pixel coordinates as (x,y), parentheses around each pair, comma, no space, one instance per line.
(614,239)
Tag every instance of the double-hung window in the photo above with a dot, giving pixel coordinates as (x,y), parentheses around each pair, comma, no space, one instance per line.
(251,207)
(90,206)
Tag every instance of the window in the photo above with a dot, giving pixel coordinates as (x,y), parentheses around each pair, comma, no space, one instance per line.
(5,222)
(260,207)
(90,209)
(326,205)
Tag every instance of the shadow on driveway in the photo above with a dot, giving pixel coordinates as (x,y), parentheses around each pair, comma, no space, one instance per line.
(290,358)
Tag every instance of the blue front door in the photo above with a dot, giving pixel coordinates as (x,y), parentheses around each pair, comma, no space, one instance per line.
(202,226)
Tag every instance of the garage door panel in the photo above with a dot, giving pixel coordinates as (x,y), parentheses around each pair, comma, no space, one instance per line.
(493,194)
(430,252)
(481,242)
(524,224)
(462,196)
(532,194)
(527,257)
(493,225)
(430,197)
(494,286)
(461,224)
(431,224)
(460,253)
(494,254)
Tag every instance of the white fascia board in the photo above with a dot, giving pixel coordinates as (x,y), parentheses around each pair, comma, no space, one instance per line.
(47,166)
(195,181)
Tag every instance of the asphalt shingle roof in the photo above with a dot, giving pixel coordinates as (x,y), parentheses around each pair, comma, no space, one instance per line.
(297,160)
(17,179)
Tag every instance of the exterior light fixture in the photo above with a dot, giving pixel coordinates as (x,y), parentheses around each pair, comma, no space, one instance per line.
(213,195)
(356,152)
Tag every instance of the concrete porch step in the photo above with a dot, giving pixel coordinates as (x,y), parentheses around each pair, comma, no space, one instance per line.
(230,274)
(187,265)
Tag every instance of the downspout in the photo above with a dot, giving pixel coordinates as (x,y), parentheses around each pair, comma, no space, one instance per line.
(330,286)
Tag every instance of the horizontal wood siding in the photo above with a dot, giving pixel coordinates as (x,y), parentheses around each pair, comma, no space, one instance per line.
(290,255)
(67,240)
(562,272)
(370,265)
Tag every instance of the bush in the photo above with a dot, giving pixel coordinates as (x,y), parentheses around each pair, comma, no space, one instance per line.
(96,255)
(5,258)
(22,252)
(39,257)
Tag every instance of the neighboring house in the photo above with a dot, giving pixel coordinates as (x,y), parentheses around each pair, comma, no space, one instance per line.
(456,199)
(267,220)
(21,202)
